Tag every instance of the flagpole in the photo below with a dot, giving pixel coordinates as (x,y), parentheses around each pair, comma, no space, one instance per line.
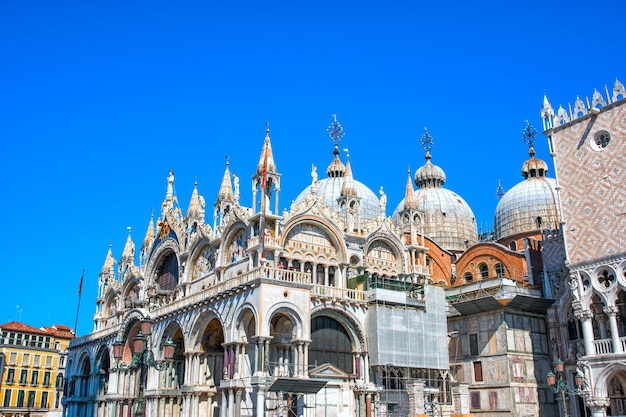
(80,291)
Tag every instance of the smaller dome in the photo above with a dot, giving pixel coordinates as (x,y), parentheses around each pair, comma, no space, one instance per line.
(336,168)
(534,167)
(429,175)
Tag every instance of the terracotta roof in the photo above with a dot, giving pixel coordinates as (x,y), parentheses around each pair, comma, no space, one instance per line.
(56,330)
(16,326)
(60,331)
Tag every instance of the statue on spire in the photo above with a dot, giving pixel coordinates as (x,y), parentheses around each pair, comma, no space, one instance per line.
(335,131)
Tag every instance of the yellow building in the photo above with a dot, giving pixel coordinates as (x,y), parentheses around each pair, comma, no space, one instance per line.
(32,366)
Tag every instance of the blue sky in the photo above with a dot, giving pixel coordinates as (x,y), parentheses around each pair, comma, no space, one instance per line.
(99,100)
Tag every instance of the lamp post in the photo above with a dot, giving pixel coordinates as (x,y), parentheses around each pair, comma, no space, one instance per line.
(559,384)
(143,358)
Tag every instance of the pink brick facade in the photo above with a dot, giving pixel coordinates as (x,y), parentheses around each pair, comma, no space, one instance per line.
(592,178)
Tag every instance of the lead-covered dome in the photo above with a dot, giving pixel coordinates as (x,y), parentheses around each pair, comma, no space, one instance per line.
(330,189)
(448,219)
(531,205)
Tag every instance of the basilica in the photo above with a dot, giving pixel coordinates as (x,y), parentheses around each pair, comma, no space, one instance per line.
(332,308)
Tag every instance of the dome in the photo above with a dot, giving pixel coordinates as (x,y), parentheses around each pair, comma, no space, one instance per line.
(340,179)
(448,219)
(329,190)
(429,173)
(529,206)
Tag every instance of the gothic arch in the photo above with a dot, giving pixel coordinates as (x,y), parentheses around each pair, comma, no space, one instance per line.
(621,275)
(601,387)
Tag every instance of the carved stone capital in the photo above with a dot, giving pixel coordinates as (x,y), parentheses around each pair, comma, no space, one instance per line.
(597,404)
(610,310)
(583,314)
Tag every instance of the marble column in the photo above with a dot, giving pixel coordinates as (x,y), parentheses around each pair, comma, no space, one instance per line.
(585,317)
(611,313)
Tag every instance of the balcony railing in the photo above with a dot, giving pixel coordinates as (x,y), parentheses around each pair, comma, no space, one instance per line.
(324,291)
(238,281)
(603,346)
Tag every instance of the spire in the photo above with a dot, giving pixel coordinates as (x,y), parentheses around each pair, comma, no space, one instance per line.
(194,204)
(348,187)
(226,190)
(267,157)
(149,233)
(128,254)
(618,91)
(499,190)
(547,113)
(109,262)
(410,203)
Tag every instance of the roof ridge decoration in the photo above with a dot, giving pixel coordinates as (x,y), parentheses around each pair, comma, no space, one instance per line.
(335,131)
(529,135)
(581,108)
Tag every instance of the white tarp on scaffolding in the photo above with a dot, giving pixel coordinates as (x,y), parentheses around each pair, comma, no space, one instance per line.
(403,335)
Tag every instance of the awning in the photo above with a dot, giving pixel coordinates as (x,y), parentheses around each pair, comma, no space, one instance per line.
(297,385)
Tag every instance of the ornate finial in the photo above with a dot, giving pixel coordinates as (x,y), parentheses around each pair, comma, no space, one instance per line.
(499,190)
(347,151)
(335,131)
(129,229)
(529,134)
(427,141)
(227,160)
(267,127)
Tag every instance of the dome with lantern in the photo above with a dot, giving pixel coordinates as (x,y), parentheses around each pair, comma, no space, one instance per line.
(448,219)
(531,205)
(340,182)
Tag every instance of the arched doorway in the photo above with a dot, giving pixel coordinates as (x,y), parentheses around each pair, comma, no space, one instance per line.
(617,396)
